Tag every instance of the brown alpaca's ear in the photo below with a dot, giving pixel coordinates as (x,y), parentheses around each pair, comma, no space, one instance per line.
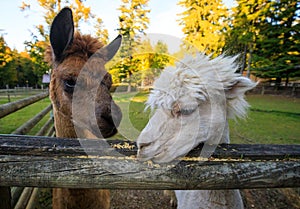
(109,51)
(61,32)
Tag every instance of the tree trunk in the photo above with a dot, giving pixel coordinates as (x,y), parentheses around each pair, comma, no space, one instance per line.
(244,60)
(129,83)
(277,83)
(249,62)
(287,80)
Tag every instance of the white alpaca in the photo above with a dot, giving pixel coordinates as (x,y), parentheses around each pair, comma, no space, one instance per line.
(193,102)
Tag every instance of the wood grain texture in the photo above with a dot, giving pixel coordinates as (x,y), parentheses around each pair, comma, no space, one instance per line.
(11,107)
(72,163)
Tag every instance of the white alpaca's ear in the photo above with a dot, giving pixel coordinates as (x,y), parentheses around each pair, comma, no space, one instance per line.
(239,87)
(236,104)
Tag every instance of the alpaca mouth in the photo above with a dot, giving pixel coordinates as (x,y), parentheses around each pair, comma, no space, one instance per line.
(97,133)
(107,127)
(105,133)
(146,152)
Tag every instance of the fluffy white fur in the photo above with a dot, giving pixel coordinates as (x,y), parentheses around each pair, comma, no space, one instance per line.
(193,102)
(194,75)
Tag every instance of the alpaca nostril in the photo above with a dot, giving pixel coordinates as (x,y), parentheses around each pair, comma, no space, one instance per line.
(116,114)
(143,145)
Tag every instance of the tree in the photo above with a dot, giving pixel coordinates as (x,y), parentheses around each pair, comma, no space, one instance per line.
(40,39)
(133,21)
(5,53)
(146,62)
(101,32)
(36,50)
(16,68)
(241,39)
(277,54)
(6,57)
(204,22)
(154,60)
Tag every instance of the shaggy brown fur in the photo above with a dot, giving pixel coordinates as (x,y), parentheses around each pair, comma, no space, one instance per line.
(83,46)
(66,69)
(69,68)
(75,57)
(81,199)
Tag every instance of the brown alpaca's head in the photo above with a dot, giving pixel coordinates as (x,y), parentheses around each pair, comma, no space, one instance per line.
(79,87)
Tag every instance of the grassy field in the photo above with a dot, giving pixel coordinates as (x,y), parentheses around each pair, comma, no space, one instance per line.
(17,95)
(271,119)
(11,122)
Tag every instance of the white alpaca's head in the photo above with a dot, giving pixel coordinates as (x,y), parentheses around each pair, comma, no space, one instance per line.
(192,103)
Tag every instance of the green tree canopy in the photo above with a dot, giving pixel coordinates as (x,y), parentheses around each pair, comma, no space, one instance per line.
(204,23)
(133,21)
(277,54)
(16,69)
(266,32)
(40,39)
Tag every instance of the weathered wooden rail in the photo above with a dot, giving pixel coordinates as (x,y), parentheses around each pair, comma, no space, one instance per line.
(20,197)
(11,107)
(26,127)
(54,162)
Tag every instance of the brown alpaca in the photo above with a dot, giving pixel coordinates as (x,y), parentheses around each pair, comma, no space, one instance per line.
(68,55)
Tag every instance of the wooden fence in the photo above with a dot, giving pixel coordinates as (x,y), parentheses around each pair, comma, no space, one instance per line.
(270,88)
(20,197)
(32,162)
(57,162)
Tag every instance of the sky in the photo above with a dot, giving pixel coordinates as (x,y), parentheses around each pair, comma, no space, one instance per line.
(17,26)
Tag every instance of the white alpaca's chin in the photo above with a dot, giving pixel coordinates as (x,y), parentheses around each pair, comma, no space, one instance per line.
(142,157)
(159,158)
(161,155)
(163,158)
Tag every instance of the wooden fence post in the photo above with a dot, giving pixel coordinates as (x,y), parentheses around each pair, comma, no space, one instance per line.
(8,95)
(5,198)
(262,89)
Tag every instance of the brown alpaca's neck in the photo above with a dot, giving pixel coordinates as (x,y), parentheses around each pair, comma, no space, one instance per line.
(81,199)
(63,125)
(64,198)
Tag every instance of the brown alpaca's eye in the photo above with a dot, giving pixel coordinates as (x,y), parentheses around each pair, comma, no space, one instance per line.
(69,85)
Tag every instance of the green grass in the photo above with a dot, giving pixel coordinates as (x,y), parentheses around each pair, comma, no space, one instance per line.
(135,117)
(271,119)
(274,103)
(11,122)
(14,96)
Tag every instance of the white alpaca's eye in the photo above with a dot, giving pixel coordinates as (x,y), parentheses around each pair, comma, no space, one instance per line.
(187,111)
(178,111)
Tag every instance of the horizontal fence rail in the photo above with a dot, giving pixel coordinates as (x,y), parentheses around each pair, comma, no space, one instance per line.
(11,107)
(26,127)
(80,163)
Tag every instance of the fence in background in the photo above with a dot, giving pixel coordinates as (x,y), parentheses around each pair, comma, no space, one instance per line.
(24,197)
